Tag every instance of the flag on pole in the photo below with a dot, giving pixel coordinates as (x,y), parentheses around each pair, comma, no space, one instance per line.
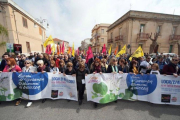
(109,52)
(138,53)
(122,51)
(104,49)
(115,52)
(48,49)
(58,50)
(63,48)
(89,54)
(69,51)
(48,41)
(73,52)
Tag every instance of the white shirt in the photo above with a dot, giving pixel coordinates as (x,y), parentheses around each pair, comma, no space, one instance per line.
(155,72)
(55,69)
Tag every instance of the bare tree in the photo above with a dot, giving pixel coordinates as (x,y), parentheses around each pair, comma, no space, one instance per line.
(154,42)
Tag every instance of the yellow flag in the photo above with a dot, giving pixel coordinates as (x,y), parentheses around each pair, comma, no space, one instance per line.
(73,50)
(53,47)
(48,41)
(122,51)
(138,53)
(110,50)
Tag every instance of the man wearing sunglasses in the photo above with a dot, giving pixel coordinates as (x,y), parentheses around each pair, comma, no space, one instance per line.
(172,67)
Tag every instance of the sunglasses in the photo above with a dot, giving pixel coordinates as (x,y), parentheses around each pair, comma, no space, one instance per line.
(69,66)
(26,63)
(148,58)
(39,64)
(174,60)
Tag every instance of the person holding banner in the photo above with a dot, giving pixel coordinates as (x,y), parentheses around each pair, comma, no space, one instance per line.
(62,66)
(28,68)
(133,67)
(53,68)
(104,65)
(112,67)
(97,68)
(123,68)
(154,70)
(81,72)
(42,68)
(171,68)
(70,70)
(144,66)
(12,67)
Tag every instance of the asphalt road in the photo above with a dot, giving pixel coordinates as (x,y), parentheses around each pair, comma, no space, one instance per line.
(64,110)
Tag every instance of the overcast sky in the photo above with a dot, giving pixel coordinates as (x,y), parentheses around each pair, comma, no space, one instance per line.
(73,20)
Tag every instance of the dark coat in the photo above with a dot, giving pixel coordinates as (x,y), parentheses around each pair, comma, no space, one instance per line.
(3,64)
(169,69)
(47,69)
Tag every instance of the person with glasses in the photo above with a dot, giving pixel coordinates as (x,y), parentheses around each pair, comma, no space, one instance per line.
(133,67)
(144,66)
(70,70)
(29,68)
(172,67)
(81,72)
(113,67)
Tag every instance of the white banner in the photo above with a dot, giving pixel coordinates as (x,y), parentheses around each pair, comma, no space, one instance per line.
(34,86)
(105,88)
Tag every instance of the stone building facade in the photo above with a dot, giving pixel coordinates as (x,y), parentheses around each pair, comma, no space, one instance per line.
(135,27)
(99,37)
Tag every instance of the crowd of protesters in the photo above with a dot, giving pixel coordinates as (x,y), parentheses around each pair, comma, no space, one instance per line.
(77,66)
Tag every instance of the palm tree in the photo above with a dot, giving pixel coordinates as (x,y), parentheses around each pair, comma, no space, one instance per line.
(3,32)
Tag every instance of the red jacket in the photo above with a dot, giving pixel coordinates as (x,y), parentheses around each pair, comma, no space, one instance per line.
(169,69)
(16,69)
(57,62)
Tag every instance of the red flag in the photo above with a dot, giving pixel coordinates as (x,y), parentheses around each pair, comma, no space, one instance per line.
(48,49)
(63,48)
(89,54)
(104,49)
(115,52)
(78,51)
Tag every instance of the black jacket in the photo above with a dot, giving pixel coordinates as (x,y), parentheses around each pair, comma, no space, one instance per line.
(47,69)
(109,69)
(81,75)
(3,64)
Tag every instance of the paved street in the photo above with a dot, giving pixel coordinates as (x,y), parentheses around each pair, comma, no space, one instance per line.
(64,110)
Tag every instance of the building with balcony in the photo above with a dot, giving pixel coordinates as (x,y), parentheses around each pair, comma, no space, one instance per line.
(58,41)
(22,28)
(85,44)
(134,29)
(99,37)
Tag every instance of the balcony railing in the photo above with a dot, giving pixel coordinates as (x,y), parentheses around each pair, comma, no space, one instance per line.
(120,37)
(174,37)
(110,40)
(142,36)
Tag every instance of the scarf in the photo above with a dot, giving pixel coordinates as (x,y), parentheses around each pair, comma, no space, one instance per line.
(42,68)
(116,69)
(97,69)
(135,70)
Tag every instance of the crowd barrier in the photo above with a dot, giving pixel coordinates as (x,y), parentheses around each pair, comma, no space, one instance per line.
(100,88)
